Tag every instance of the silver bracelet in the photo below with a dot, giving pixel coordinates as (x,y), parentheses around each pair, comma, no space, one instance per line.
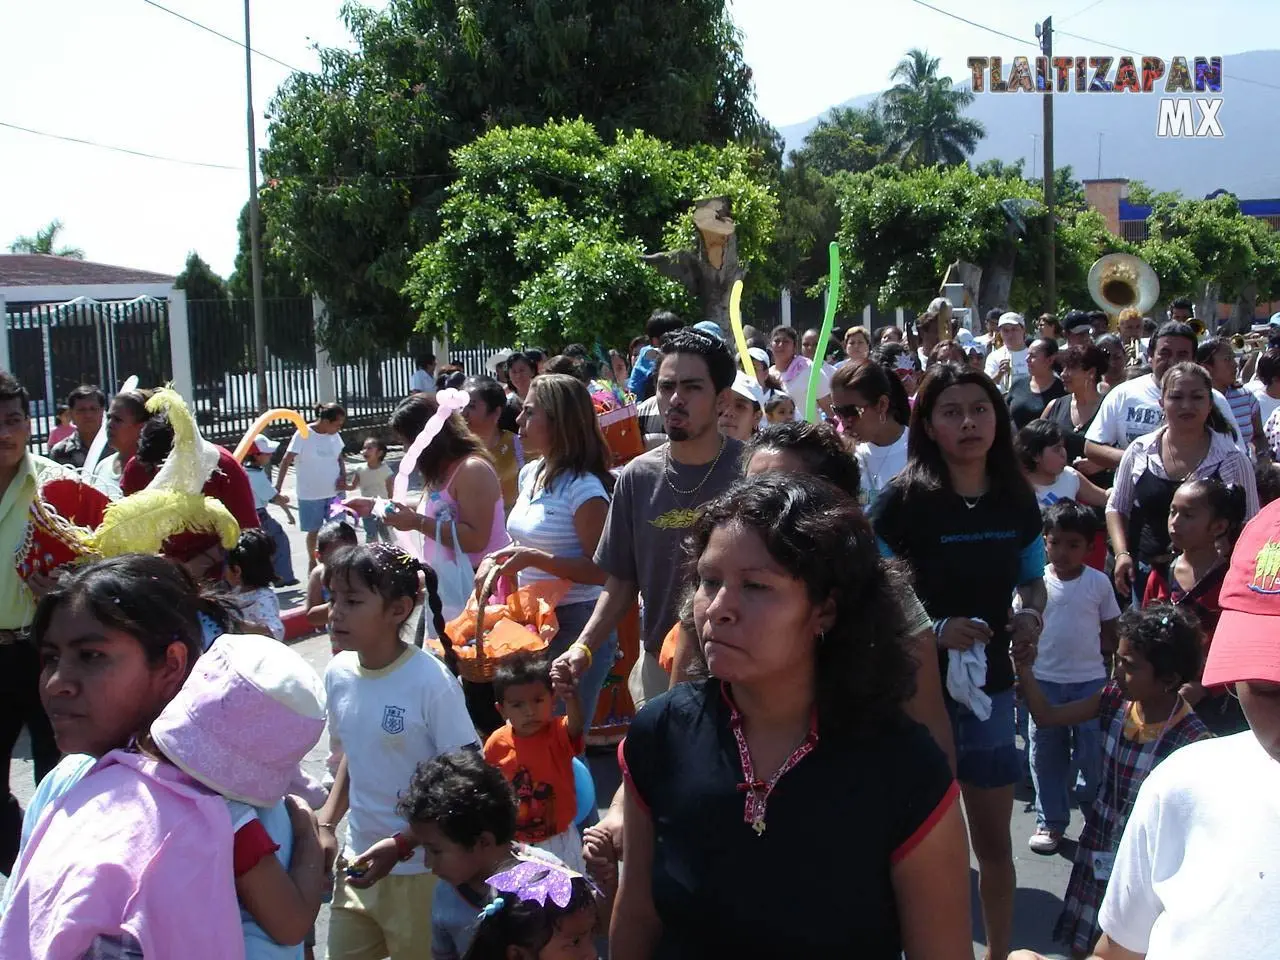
(1032,612)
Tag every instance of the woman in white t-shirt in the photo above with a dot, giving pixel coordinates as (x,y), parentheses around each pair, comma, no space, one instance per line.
(873,408)
(557,519)
(321,471)
(792,369)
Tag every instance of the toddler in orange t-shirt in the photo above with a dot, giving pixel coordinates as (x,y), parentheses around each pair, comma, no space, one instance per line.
(534,750)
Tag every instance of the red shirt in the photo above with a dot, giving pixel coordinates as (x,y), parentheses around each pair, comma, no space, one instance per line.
(540,768)
(1202,599)
(229,484)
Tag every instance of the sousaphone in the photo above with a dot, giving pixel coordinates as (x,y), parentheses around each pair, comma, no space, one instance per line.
(1119,281)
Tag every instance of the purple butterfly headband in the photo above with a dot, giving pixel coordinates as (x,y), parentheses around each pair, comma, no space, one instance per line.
(537,880)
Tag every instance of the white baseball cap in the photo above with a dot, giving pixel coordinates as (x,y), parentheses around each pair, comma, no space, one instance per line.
(757,353)
(264,444)
(1010,319)
(748,387)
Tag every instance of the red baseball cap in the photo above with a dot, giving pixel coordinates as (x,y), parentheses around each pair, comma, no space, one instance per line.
(1246,643)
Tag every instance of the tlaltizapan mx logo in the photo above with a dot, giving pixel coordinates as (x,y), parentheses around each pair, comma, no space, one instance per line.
(1181,112)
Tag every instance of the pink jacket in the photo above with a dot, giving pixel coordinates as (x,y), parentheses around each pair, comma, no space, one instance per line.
(135,847)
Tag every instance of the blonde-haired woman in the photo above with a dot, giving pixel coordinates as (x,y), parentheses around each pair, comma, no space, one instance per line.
(559,514)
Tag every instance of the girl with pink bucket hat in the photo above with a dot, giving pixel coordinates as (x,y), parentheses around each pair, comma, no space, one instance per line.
(241,724)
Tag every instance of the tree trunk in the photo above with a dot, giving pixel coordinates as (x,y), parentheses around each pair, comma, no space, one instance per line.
(1207,308)
(1242,313)
(997,281)
(710,273)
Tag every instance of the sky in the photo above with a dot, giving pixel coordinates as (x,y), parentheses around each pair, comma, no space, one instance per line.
(127,74)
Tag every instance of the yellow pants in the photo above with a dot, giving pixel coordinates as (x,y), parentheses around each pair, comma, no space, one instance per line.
(390,919)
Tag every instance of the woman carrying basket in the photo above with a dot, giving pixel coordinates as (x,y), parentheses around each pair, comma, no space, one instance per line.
(559,515)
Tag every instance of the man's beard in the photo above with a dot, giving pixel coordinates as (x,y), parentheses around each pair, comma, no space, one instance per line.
(679,434)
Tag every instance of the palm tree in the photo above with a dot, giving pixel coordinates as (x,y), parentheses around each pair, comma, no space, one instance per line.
(847,138)
(43,242)
(923,112)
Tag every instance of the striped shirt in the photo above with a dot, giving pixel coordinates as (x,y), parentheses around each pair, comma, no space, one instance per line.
(1223,460)
(543,519)
(1243,407)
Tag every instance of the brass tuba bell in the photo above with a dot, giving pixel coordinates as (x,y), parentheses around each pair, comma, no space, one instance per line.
(1121,280)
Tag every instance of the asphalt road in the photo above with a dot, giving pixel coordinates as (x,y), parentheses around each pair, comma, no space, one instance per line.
(1041,880)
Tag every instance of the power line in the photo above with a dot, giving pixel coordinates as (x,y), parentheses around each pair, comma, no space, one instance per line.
(1112,46)
(216,33)
(1072,16)
(108,146)
(980,26)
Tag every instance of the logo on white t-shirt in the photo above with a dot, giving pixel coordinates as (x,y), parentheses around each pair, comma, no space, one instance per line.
(393,719)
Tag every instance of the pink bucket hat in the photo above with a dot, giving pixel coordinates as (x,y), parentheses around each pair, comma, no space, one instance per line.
(244,720)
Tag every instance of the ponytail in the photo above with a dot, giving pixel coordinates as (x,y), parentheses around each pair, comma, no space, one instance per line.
(1226,501)
(437,615)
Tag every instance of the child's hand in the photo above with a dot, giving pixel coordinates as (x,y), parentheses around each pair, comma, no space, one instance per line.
(601,858)
(374,864)
(1023,652)
(1193,693)
(280,500)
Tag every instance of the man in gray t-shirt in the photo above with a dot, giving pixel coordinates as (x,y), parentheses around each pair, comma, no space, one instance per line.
(656,501)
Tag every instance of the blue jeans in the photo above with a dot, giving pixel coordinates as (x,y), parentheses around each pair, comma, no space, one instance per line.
(282,559)
(986,750)
(1058,752)
(573,618)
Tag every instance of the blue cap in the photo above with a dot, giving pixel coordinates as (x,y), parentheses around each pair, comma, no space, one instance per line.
(710,328)
(1275,319)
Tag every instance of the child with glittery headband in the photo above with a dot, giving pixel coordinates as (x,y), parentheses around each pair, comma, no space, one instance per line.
(543,911)
(391,706)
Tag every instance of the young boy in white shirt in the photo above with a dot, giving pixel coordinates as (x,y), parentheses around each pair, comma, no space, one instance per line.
(1079,631)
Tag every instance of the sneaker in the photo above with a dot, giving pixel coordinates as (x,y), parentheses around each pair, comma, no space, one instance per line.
(1045,841)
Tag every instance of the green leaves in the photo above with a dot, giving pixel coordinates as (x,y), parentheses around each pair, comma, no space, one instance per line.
(542,234)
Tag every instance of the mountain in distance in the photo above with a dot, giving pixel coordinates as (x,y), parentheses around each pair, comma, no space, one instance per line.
(1242,161)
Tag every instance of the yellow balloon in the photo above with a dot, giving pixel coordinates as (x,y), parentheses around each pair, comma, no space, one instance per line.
(279,413)
(735,321)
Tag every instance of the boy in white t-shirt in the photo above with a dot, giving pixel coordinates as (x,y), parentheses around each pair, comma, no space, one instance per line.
(1195,876)
(1079,632)
(322,473)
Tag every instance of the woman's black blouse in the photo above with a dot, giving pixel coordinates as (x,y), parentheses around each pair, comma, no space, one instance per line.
(816,883)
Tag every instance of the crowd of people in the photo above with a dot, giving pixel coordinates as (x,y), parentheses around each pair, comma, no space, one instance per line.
(845,626)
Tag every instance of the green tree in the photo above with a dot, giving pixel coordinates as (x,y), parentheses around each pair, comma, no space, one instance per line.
(199,281)
(995,167)
(543,232)
(277,281)
(923,112)
(359,157)
(1068,192)
(45,241)
(847,138)
(808,220)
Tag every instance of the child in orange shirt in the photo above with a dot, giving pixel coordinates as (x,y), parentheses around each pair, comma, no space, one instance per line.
(535,751)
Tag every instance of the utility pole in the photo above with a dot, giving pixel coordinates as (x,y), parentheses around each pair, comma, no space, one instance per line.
(1035,144)
(1045,33)
(1099,156)
(255,228)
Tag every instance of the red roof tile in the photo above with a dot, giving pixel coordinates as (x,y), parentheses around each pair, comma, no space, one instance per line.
(39,270)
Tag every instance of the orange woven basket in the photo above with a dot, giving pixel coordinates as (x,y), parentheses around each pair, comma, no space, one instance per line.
(524,624)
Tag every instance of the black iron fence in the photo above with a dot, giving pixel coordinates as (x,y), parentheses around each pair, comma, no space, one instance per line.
(54,348)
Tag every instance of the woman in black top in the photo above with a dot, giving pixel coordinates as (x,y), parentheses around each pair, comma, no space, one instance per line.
(1082,370)
(966,519)
(737,786)
(1029,395)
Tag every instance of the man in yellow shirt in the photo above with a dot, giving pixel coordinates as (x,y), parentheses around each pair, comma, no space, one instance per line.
(20,477)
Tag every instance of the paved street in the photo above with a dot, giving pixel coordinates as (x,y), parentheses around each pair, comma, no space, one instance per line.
(1041,880)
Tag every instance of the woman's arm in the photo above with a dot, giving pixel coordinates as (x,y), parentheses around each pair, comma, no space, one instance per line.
(475,489)
(635,930)
(317,607)
(285,904)
(1105,456)
(1119,537)
(588,522)
(926,705)
(1090,493)
(334,809)
(930,885)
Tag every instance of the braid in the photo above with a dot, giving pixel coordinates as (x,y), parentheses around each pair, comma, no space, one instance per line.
(437,615)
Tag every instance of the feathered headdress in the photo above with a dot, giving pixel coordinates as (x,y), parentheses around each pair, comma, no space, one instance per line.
(173,501)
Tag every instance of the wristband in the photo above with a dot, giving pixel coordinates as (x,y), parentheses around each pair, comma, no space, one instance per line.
(579,645)
(404,847)
(938,627)
(1124,553)
(1033,613)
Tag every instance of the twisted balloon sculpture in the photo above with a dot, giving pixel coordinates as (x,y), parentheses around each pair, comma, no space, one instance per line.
(739,335)
(824,338)
(448,402)
(279,413)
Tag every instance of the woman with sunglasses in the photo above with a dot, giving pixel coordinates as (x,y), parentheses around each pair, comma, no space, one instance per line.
(873,408)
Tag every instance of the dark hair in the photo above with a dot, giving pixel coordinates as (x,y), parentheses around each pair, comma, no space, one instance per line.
(1048,345)
(522,358)
(944,351)
(253,554)
(454,443)
(994,314)
(578,350)
(1267,477)
(818,447)
(1034,439)
(526,923)
(152,599)
(1067,516)
(711,349)
(535,355)
(872,381)
(330,412)
(862,670)
(424,360)
(155,440)
(393,575)
(660,323)
(86,392)
(61,409)
(1087,357)
(887,355)
(1216,421)
(339,532)
(569,366)
(462,795)
(789,332)
(450,377)
(1268,367)
(637,343)
(11,389)
(487,389)
(518,670)
(378,444)
(1209,346)
(1173,328)
(135,401)
(1181,303)
(1050,319)
(1168,638)
(926,470)
(1106,342)
(1226,501)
